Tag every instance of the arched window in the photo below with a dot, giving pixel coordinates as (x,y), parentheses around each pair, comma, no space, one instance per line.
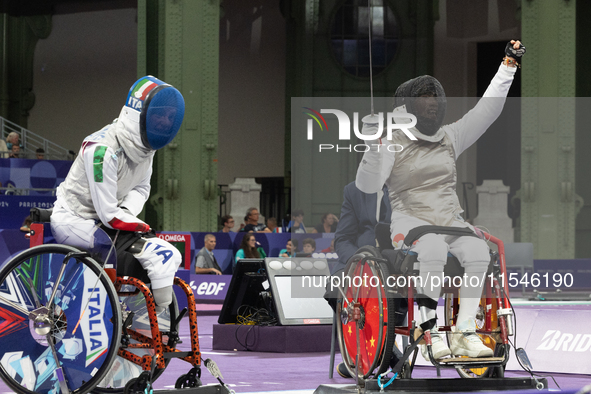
(350,32)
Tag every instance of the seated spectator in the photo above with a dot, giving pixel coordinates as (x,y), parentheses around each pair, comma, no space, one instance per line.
(15,152)
(40,154)
(328,224)
(288,251)
(308,248)
(26,227)
(296,225)
(205,262)
(272,224)
(251,221)
(227,223)
(12,139)
(330,249)
(249,250)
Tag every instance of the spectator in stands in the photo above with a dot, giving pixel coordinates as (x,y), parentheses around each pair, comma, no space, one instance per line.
(328,224)
(26,227)
(308,248)
(330,249)
(251,221)
(15,152)
(288,251)
(228,223)
(40,154)
(296,225)
(205,262)
(12,139)
(249,249)
(272,224)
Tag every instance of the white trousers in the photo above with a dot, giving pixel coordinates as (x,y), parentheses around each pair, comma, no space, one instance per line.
(159,258)
(432,250)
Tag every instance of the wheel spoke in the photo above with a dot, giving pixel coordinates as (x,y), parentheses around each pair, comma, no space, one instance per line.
(14,305)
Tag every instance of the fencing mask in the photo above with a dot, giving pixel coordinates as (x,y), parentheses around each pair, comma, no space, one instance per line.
(424,97)
(161,108)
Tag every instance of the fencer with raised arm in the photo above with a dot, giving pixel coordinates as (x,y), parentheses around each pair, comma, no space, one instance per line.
(421,180)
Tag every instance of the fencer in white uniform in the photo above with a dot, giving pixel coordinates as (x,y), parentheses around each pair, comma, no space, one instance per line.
(421,179)
(109,181)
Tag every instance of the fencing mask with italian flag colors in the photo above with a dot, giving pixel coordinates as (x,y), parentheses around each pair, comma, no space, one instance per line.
(161,107)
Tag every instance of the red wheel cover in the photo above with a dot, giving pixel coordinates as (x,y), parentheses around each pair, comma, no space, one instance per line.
(369,335)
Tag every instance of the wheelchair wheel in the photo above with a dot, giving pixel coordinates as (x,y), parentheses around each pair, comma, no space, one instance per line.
(82,327)
(376,335)
(123,370)
(491,341)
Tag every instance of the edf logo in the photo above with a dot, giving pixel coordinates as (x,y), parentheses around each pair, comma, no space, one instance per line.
(207,288)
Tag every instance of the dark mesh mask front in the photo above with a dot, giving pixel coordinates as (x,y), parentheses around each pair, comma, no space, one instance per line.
(410,91)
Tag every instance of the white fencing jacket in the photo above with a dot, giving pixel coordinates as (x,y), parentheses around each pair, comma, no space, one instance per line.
(421,179)
(112,171)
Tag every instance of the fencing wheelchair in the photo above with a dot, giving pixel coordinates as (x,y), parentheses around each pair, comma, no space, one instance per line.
(70,322)
(367,312)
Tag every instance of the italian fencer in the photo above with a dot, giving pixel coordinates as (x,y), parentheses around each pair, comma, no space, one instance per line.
(109,182)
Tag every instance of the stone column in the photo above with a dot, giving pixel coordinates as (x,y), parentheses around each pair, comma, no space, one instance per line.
(548,90)
(244,193)
(492,209)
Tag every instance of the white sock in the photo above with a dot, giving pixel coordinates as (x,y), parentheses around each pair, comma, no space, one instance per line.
(471,291)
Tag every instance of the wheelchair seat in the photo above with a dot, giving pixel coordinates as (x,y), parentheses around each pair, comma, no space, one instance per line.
(402,263)
(40,215)
(127,264)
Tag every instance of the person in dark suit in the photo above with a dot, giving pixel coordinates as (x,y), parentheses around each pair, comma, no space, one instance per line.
(205,262)
(356,228)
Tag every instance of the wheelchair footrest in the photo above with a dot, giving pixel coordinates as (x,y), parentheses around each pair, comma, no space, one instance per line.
(437,385)
(471,360)
(209,389)
(168,355)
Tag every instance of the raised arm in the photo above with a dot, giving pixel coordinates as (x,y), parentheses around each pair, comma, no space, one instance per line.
(469,128)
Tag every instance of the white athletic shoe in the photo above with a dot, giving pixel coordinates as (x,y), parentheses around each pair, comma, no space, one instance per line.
(438,346)
(466,342)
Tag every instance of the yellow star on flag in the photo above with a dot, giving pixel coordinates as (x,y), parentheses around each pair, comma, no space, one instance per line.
(372,342)
(350,330)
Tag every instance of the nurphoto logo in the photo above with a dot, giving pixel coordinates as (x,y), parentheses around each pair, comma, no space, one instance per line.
(407,121)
